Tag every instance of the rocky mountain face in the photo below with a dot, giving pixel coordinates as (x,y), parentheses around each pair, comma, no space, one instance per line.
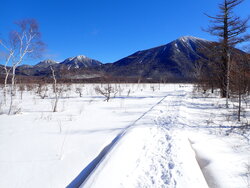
(173,61)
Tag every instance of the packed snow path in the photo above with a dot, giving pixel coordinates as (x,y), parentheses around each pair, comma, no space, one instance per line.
(91,166)
(147,153)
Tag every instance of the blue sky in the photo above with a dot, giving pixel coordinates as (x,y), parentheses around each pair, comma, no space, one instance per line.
(108,30)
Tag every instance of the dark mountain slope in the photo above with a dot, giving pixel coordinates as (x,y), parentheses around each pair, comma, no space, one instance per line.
(173,60)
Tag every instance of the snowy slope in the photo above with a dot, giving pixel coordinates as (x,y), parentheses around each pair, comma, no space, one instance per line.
(166,140)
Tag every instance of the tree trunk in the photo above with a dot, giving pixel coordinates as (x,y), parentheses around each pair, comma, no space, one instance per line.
(12,89)
(5,85)
(239,110)
(55,89)
(228,78)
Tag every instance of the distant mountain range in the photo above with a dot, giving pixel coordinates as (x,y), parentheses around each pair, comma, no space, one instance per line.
(69,68)
(174,60)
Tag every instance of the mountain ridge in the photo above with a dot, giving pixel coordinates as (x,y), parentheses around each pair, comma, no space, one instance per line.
(172,61)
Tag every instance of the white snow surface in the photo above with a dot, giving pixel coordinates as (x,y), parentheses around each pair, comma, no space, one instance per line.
(149,157)
(80,57)
(149,135)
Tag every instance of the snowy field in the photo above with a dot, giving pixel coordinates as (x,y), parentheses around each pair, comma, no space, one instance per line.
(148,135)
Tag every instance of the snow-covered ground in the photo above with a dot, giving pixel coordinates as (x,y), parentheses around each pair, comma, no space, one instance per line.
(149,135)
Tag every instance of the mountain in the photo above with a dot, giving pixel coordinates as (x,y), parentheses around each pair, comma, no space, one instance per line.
(80,61)
(35,70)
(45,63)
(25,66)
(69,68)
(174,60)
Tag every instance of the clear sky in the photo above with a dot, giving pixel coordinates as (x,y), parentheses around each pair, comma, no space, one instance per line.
(108,30)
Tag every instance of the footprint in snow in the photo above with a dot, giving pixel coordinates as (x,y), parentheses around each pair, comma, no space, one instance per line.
(171,165)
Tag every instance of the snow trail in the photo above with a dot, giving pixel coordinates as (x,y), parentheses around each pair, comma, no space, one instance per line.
(86,172)
(148,153)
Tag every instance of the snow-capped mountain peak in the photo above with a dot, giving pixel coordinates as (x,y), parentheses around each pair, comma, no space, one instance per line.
(80,61)
(46,63)
(76,59)
(80,57)
(191,38)
(49,61)
(189,42)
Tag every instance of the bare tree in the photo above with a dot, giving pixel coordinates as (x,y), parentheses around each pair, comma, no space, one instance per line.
(24,42)
(240,79)
(106,91)
(55,89)
(229,29)
(79,91)
(8,56)
(42,90)
(21,89)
